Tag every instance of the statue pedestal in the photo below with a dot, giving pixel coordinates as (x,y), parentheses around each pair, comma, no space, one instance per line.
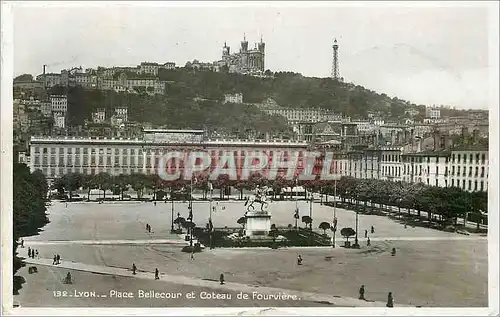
(257,224)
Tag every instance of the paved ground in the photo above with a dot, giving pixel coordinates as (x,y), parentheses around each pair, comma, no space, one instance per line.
(431,268)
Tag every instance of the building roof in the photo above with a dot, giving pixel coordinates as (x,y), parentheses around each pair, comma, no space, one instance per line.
(173,131)
(140,142)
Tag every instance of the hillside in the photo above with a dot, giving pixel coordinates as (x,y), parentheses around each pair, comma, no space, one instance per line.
(287,89)
(171,111)
(193,100)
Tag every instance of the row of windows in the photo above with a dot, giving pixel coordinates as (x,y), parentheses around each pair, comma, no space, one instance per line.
(109,151)
(465,185)
(470,171)
(469,183)
(459,157)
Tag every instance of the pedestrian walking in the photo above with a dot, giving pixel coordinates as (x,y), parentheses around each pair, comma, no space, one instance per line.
(368,241)
(192,255)
(154,203)
(362,292)
(299,260)
(147,227)
(157,274)
(36,253)
(68,279)
(390,300)
(55,260)
(29,252)
(32,253)
(134,268)
(405,225)
(221,279)
(58,259)
(372,229)
(22,243)
(393,253)
(366,233)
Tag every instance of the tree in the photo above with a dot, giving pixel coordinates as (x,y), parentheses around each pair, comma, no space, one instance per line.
(104,182)
(138,182)
(89,183)
(307,220)
(29,210)
(347,232)
(274,232)
(324,226)
(179,221)
(242,221)
(71,182)
(122,182)
(189,225)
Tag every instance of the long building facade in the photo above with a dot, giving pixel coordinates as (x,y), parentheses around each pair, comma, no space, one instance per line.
(466,168)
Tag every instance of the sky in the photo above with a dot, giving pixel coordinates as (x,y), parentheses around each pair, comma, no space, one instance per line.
(423,54)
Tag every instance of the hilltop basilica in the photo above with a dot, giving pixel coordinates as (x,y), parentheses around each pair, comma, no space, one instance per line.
(246,61)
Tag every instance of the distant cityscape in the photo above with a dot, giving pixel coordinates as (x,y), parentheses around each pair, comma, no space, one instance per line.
(428,147)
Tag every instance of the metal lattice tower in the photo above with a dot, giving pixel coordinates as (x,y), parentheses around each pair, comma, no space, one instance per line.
(335,64)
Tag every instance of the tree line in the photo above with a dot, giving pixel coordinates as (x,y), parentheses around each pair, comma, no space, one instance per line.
(445,203)
(29,209)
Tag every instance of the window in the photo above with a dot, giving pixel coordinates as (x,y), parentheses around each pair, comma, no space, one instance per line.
(475,185)
(482,171)
(77,150)
(482,186)
(437,171)
(453,158)
(92,160)
(477,171)
(420,170)
(453,171)
(427,181)
(428,170)
(117,160)
(477,158)
(85,150)
(446,171)
(465,159)
(470,171)
(483,158)
(70,150)
(53,150)
(459,158)
(470,158)
(61,160)
(428,160)
(452,182)
(463,174)
(436,182)
(445,183)
(101,161)
(108,161)
(108,151)
(53,160)
(463,183)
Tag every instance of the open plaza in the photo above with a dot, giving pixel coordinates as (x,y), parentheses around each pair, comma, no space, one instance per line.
(99,243)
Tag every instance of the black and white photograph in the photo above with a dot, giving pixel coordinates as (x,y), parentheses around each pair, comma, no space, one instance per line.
(287,158)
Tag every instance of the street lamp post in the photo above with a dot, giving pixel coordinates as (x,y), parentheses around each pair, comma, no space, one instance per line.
(334,211)
(311,209)
(210,217)
(172,205)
